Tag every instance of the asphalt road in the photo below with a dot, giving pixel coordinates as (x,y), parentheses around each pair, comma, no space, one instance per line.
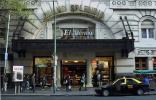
(148,97)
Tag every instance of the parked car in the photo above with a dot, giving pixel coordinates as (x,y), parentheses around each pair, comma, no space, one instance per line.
(123,86)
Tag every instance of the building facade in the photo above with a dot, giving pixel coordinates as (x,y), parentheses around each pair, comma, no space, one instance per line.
(113,37)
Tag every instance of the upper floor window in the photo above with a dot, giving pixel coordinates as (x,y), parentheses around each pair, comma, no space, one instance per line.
(154,63)
(147,29)
(141,63)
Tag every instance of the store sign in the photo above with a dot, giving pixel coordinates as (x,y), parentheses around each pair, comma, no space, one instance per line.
(79,9)
(145,52)
(86,9)
(76,34)
(133,4)
(18,73)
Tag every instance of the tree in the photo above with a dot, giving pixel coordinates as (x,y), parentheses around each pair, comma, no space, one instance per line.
(15,8)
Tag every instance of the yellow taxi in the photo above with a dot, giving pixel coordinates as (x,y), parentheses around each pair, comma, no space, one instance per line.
(123,86)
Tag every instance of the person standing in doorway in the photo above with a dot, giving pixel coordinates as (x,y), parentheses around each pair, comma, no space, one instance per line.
(99,78)
(43,82)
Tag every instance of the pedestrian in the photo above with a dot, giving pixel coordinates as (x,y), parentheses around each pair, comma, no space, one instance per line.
(43,82)
(147,80)
(5,80)
(99,78)
(28,81)
(68,83)
(82,81)
(33,82)
(24,83)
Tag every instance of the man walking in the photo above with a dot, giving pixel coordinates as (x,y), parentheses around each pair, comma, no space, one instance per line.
(5,79)
(82,81)
(33,82)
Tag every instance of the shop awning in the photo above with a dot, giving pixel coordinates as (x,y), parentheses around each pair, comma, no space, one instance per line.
(70,45)
(144,71)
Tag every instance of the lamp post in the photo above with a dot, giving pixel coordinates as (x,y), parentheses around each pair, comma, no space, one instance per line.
(6,45)
(54,52)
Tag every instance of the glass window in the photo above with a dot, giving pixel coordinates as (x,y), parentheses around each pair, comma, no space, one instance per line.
(42,69)
(144,33)
(147,29)
(141,63)
(154,63)
(131,82)
(119,82)
(151,32)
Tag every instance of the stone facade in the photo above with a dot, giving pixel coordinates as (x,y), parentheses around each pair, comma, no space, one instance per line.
(102,18)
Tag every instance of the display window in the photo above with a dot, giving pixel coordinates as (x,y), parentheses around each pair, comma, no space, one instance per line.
(104,66)
(154,63)
(43,70)
(74,68)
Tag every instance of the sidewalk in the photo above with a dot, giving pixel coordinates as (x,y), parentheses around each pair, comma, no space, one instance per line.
(49,91)
(60,92)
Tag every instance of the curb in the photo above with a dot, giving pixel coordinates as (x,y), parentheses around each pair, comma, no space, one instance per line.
(47,95)
(67,94)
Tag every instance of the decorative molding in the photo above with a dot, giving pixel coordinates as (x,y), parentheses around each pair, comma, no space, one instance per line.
(145,52)
(133,4)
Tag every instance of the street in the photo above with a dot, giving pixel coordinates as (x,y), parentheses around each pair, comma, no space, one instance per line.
(147,97)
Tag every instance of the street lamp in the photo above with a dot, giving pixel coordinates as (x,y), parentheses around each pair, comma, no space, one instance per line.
(6,45)
(54,53)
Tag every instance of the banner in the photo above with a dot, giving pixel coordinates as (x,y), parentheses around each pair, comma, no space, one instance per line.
(18,73)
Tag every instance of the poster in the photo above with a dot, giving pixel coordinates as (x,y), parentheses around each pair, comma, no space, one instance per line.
(18,73)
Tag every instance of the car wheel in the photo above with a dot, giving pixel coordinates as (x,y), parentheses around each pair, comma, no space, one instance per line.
(140,92)
(106,93)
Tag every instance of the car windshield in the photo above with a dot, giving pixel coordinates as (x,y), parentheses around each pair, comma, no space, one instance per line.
(118,81)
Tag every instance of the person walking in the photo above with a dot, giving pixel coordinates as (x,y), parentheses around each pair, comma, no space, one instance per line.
(99,79)
(33,82)
(28,81)
(5,79)
(146,80)
(24,83)
(82,81)
(68,83)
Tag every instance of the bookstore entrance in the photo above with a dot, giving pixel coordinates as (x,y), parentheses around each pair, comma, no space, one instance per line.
(74,68)
(43,70)
(104,66)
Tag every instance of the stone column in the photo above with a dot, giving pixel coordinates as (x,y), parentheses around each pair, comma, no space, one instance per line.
(58,74)
(150,63)
(89,74)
